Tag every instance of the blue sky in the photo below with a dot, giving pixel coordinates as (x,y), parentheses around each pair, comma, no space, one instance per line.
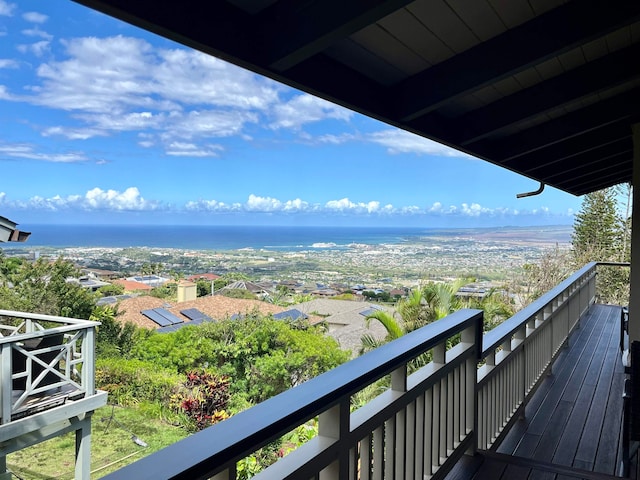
(104,123)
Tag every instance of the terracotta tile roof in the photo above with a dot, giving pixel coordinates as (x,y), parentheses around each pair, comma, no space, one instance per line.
(217,307)
(131,286)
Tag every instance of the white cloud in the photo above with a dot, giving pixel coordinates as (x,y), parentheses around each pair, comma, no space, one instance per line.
(35,17)
(263,204)
(256,203)
(194,78)
(399,141)
(330,138)
(130,199)
(36,32)
(94,199)
(73,133)
(98,199)
(305,108)
(346,205)
(211,206)
(6,8)
(112,75)
(209,123)
(8,63)
(37,48)
(121,83)
(475,210)
(182,149)
(26,151)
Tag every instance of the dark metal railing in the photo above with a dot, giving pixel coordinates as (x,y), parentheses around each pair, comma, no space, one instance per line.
(464,399)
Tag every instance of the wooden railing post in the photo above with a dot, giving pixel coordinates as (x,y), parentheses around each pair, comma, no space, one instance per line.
(6,382)
(89,362)
(472,335)
(334,423)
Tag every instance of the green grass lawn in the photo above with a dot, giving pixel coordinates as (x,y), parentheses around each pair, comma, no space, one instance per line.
(111,445)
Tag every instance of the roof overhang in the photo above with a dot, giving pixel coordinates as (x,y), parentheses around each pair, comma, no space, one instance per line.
(9,233)
(546,89)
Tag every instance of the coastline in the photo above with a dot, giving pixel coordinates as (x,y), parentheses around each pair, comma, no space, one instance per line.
(277,238)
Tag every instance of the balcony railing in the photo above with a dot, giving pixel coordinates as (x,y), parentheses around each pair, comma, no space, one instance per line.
(462,400)
(45,360)
(518,352)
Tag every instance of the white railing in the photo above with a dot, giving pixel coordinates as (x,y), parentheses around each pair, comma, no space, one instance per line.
(517,353)
(43,355)
(461,401)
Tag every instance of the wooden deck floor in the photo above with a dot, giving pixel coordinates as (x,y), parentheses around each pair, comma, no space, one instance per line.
(573,422)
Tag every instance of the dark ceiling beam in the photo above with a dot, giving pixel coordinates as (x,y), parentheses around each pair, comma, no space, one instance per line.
(544,37)
(594,143)
(216,28)
(555,168)
(575,172)
(294,31)
(599,75)
(601,174)
(600,180)
(335,82)
(608,116)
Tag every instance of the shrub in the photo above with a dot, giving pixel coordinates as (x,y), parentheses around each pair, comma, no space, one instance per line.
(203,397)
(131,381)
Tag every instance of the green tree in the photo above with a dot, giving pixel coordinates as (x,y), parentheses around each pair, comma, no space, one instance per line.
(111,290)
(600,233)
(48,287)
(424,305)
(203,287)
(496,306)
(597,228)
(113,339)
(441,298)
(167,291)
(9,266)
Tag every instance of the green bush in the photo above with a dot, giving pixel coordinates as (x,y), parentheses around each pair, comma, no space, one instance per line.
(132,381)
(178,351)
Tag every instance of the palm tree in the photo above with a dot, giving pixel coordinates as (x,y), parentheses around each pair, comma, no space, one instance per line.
(496,306)
(441,298)
(395,329)
(412,310)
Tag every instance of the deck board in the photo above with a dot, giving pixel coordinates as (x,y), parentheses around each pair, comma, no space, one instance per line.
(573,422)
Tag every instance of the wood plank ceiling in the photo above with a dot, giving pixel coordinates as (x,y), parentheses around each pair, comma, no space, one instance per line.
(546,88)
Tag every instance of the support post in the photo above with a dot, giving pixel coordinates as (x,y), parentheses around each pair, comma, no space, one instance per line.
(4,473)
(634,297)
(83,448)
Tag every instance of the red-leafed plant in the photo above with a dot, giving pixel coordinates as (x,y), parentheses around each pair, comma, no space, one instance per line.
(203,397)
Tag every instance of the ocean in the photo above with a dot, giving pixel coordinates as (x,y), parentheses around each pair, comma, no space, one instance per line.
(199,237)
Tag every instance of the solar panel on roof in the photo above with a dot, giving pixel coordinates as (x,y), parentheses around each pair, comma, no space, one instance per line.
(168,315)
(293,314)
(170,328)
(156,317)
(194,314)
(370,310)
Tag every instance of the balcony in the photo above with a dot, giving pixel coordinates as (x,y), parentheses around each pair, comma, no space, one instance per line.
(540,393)
(47,383)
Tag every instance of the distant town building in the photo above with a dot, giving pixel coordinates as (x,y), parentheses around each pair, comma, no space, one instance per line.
(203,276)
